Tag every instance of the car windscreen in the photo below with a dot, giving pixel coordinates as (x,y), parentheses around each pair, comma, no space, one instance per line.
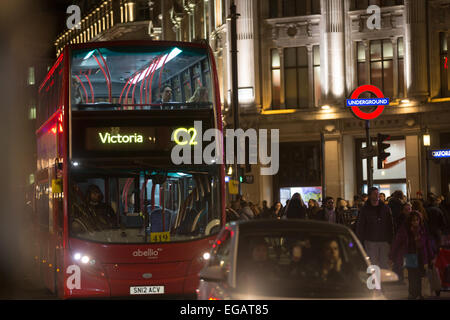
(301,264)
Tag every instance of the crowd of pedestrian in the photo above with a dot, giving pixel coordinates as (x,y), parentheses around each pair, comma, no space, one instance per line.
(397,233)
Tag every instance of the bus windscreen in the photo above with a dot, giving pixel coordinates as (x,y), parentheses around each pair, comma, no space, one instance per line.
(144,206)
(141,78)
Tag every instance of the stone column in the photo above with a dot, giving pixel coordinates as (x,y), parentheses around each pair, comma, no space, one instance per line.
(332,172)
(416,49)
(311,75)
(167,26)
(395,65)
(332,51)
(246,43)
(413,145)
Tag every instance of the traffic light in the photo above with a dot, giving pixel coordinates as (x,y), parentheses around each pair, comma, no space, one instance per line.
(241,174)
(381,154)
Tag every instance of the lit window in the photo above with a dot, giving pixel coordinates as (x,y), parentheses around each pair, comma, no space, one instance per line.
(401,68)
(32,112)
(444,64)
(276,79)
(31,178)
(296,78)
(316,66)
(31,76)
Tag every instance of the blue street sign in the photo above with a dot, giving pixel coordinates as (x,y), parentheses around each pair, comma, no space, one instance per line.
(436,154)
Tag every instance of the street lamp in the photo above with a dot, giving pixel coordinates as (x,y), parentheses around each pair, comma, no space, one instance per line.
(426,140)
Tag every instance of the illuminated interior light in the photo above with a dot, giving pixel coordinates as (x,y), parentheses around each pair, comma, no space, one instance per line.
(89,55)
(326,107)
(166,59)
(405,101)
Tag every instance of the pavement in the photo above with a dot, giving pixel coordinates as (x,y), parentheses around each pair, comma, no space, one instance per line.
(399,291)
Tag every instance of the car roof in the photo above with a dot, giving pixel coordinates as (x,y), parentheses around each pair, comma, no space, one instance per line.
(288,224)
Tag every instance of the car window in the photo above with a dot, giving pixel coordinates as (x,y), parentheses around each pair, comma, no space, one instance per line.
(305,264)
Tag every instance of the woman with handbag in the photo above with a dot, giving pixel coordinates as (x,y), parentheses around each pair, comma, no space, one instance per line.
(412,249)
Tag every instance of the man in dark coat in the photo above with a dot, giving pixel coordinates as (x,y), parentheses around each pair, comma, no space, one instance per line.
(375,229)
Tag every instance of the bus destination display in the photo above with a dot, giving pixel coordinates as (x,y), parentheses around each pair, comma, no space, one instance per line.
(128,139)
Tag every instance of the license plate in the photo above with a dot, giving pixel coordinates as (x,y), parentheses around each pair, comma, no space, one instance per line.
(147,290)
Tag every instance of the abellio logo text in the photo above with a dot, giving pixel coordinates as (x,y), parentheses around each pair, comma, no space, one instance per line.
(151,253)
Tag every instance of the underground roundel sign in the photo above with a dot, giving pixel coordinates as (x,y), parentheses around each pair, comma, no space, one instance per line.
(380,102)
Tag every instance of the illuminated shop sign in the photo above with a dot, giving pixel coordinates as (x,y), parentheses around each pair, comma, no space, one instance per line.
(440,153)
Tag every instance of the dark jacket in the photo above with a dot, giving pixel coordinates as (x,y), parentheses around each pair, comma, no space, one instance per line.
(375,223)
(267,213)
(322,215)
(295,210)
(312,212)
(396,209)
(403,244)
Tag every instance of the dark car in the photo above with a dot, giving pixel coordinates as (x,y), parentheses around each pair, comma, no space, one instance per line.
(288,259)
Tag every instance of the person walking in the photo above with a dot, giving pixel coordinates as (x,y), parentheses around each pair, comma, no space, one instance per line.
(313,209)
(436,221)
(375,229)
(296,208)
(412,249)
(245,212)
(342,212)
(404,215)
(255,209)
(276,211)
(328,212)
(417,205)
(265,211)
(395,203)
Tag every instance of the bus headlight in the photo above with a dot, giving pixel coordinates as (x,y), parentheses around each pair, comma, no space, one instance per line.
(84,259)
(206,256)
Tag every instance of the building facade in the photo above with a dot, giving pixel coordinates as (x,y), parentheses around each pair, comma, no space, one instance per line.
(298,61)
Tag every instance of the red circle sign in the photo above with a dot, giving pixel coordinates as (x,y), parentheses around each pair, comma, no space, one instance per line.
(363,115)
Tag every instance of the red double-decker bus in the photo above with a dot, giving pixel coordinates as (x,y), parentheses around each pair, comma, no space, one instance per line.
(114,215)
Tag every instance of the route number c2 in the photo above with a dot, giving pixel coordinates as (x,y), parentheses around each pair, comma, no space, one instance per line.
(183,132)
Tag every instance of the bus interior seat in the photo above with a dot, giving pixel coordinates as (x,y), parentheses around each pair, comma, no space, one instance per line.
(156,220)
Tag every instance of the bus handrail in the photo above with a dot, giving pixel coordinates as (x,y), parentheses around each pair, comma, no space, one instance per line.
(120,106)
